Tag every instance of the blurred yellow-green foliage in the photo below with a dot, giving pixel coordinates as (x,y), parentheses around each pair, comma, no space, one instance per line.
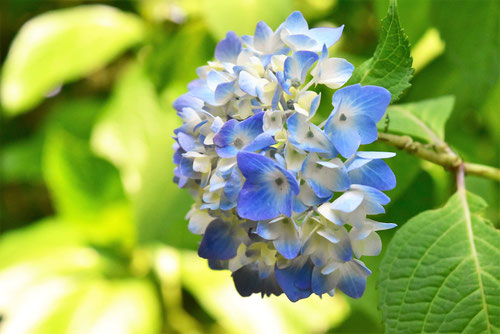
(93,237)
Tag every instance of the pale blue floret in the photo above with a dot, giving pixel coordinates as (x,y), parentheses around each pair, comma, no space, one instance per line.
(309,137)
(283,233)
(348,277)
(295,69)
(368,169)
(268,190)
(357,109)
(228,49)
(247,135)
(325,177)
(298,36)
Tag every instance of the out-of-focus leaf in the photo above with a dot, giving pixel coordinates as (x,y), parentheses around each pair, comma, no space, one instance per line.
(50,282)
(390,66)
(135,134)
(80,183)
(20,161)
(215,291)
(424,119)
(61,46)
(440,273)
(164,64)
(241,17)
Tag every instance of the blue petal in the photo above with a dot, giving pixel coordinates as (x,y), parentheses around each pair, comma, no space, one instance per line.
(302,42)
(205,94)
(248,83)
(295,280)
(233,185)
(371,101)
(187,101)
(299,129)
(247,281)
(268,231)
(226,151)
(259,202)
(260,197)
(376,174)
(288,244)
(262,141)
(320,283)
(226,134)
(326,36)
(367,129)
(224,92)
(228,49)
(219,241)
(295,23)
(297,66)
(262,34)
(252,126)
(345,138)
(348,202)
(352,280)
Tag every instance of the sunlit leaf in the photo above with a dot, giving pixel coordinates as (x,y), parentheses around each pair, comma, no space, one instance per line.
(61,46)
(135,134)
(390,66)
(425,120)
(440,272)
(50,282)
(215,291)
(79,181)
(242,16)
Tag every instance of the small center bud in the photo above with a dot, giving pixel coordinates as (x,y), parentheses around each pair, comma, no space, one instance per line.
(238,143)
(279,181)
(342,117)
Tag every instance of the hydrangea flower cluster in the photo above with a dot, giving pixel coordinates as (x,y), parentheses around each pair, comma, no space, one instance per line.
(274,200)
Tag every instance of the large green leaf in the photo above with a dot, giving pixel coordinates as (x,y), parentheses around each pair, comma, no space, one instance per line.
(441,272)
(390,66)
(135,134)
(61,46)
(424,119)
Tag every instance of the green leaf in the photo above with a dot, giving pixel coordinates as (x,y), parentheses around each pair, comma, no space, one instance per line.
(134,133)
(441,272)
(241,17)
(80,183)
(390,66)
(61,46)
(425,119)
(73,288)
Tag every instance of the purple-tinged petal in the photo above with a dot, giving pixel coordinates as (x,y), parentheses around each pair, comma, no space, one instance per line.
(228,49)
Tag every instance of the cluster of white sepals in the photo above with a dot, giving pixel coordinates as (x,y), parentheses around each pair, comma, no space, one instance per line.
(273,197)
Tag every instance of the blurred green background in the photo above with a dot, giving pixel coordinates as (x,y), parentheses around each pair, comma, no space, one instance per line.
(93,237)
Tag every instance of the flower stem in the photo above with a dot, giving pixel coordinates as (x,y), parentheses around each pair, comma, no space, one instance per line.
(444,157)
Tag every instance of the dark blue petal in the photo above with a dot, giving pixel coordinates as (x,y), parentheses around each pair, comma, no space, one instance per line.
(295,280)
(247,281)
(226,134)
(219,242)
